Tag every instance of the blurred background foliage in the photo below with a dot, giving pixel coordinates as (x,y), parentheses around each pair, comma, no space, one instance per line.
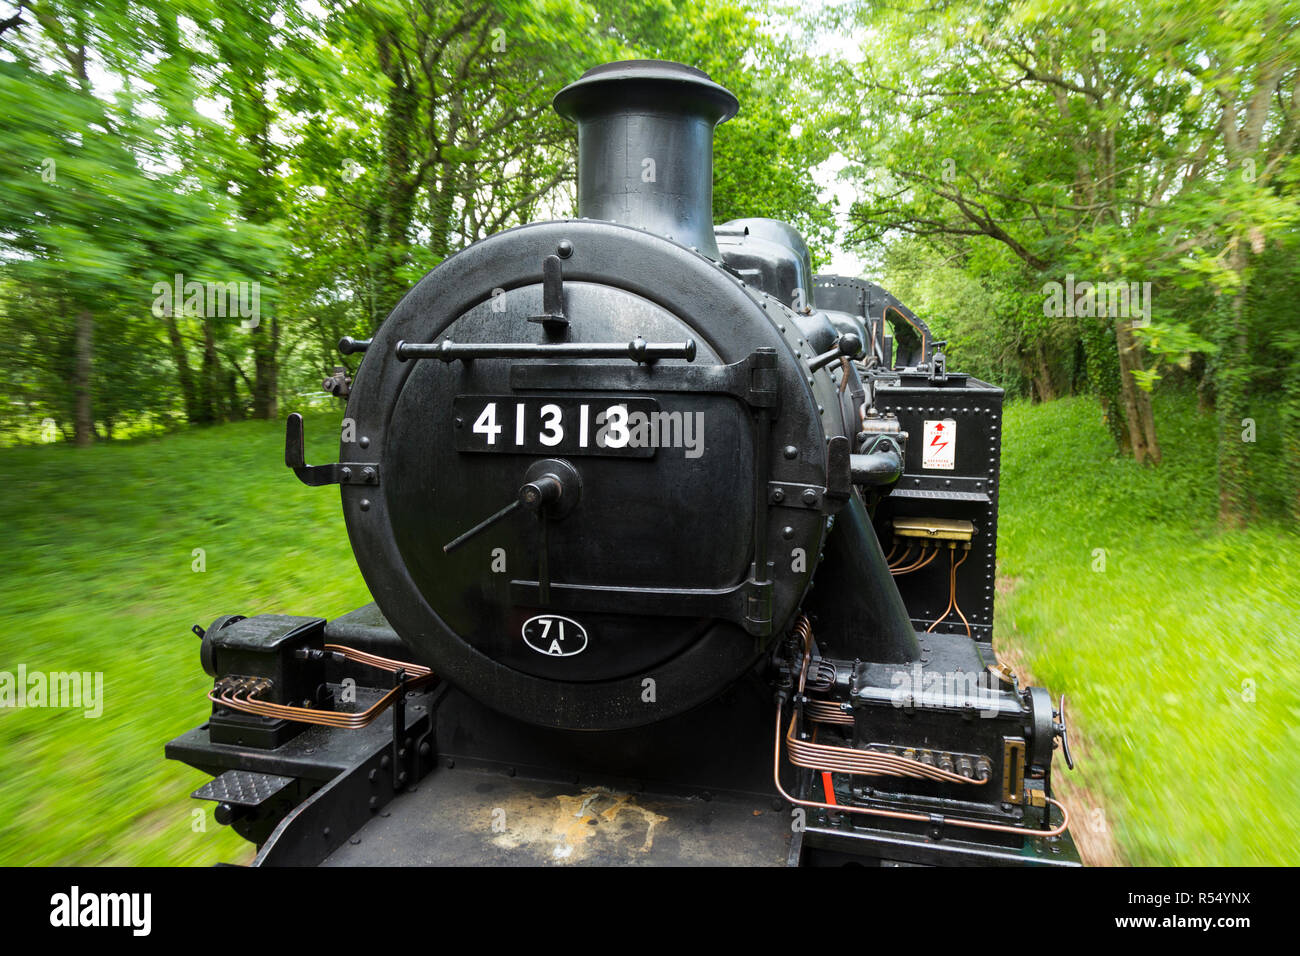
(1001,145)
(333,152)
(330,152)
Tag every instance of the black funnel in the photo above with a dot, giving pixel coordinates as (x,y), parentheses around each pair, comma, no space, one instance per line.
(645,146)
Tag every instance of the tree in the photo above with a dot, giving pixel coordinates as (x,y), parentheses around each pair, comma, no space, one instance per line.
(1107,142)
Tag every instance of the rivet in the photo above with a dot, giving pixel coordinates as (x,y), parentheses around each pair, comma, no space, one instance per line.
(790,451)
(564,249)
(365,504)
(363,441)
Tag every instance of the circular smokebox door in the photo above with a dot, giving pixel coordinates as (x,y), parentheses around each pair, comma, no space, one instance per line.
(572,540)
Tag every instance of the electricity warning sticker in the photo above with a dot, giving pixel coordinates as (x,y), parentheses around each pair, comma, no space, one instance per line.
(939,449)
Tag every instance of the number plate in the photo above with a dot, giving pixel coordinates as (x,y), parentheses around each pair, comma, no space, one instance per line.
(590,425)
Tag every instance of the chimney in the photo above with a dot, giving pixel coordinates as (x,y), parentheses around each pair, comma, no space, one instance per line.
(645,146)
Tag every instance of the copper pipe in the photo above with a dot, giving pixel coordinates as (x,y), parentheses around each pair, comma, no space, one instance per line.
(805,630)
(374,660)
(815,756)
(826,712)
(306,715)
(903,558)
(229,695)
(902,568)
(918,565)
(952,593)
(903,815)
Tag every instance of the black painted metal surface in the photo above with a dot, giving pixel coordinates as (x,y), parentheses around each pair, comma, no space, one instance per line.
(645,146)
(614,611)
(971,413)
(664,563)
(467,818)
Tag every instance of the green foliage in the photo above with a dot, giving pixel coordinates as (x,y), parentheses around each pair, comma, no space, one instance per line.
(97,574)
(333,154)
(1179,659)
(1061,134)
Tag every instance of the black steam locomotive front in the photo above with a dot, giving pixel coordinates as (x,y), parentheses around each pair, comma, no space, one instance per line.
(619,490)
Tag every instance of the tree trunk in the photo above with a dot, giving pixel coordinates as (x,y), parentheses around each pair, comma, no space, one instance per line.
(1046,390)
(1137,402)
(266,343)
(1100,360)
(1201,370)
(209,396)
(84,349)
(1232,385)
(183,371)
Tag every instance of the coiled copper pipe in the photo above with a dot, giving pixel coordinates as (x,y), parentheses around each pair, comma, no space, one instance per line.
(249,688)
(904,815)
(804,628)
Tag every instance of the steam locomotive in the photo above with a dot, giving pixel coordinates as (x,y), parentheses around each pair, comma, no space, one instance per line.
(679,554)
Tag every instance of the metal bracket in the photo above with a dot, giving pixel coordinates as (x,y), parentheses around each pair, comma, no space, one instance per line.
(552,317)
(638,350)
(839,471)
(748,604)
(753,380)
(800,495)
(339,473)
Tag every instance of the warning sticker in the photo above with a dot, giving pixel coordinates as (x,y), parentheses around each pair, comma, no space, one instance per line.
(940,445)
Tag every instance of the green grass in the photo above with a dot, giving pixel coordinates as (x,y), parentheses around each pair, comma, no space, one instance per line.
(1157,652)
(96,575)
